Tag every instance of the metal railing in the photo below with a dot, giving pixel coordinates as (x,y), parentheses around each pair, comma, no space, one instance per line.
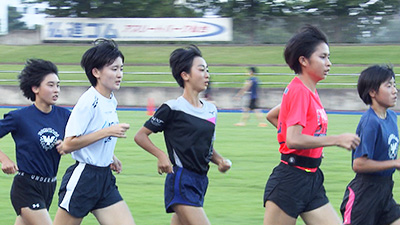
(171,81)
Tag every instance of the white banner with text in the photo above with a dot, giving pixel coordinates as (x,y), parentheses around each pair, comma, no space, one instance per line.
(138,29)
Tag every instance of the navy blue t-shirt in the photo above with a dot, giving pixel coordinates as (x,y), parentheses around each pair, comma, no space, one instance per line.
(35,134)
(254,87)
(379,138)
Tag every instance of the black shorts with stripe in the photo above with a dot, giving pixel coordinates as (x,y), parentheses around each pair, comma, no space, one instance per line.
(368,200)
(85,188)
(253,104)
(184,187)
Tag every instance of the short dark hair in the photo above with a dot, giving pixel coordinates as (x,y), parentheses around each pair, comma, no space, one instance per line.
(371,79)
(181,60)
(33,74)
(252,69)
(104,53)
(303,43)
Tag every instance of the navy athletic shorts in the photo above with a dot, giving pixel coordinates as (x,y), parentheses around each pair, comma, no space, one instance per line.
(253,103)
(368,200)
(35,192)
(184,187)
(294,190)
(85,188)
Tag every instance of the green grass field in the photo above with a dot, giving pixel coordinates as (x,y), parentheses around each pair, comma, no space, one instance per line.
(232,198)
(214,54)
(143,59)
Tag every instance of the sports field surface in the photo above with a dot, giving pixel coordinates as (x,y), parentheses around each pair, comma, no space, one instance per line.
(147,65)
(234,198)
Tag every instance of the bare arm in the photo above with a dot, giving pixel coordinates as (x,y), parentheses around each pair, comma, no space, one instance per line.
(296,140)
(245,88)
(223,164)
(365,165)
(7,165)
(273,114)
(142,139)
(73,143)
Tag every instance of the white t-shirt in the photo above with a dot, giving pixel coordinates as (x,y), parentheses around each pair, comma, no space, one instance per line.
(91,113)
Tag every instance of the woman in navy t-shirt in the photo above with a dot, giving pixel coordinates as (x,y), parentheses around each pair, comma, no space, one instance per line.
(37,130)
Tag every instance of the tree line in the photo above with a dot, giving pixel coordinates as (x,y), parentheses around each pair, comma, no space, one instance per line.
(257,21)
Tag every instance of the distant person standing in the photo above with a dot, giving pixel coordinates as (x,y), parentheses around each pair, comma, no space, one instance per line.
(37,131)
(251,87)
(368,199)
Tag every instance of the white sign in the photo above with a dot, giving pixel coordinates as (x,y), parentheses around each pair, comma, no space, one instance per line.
(3,17)
(138,29)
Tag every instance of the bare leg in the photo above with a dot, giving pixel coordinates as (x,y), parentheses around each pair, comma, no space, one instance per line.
(323,215)
(260,118)
(396,222)
(276,216)
(117,213)
(190,215)
(64,218)
(175,220)
(29,216)
(19,221)
(245,117)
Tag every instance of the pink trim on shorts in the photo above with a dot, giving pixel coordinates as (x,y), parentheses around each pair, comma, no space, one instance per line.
(349,207)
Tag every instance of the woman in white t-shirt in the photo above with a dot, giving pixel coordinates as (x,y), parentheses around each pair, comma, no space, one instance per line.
(90,137)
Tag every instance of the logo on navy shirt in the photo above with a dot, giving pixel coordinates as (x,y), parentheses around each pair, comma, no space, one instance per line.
(156,121)
(48,138)
(393,143)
